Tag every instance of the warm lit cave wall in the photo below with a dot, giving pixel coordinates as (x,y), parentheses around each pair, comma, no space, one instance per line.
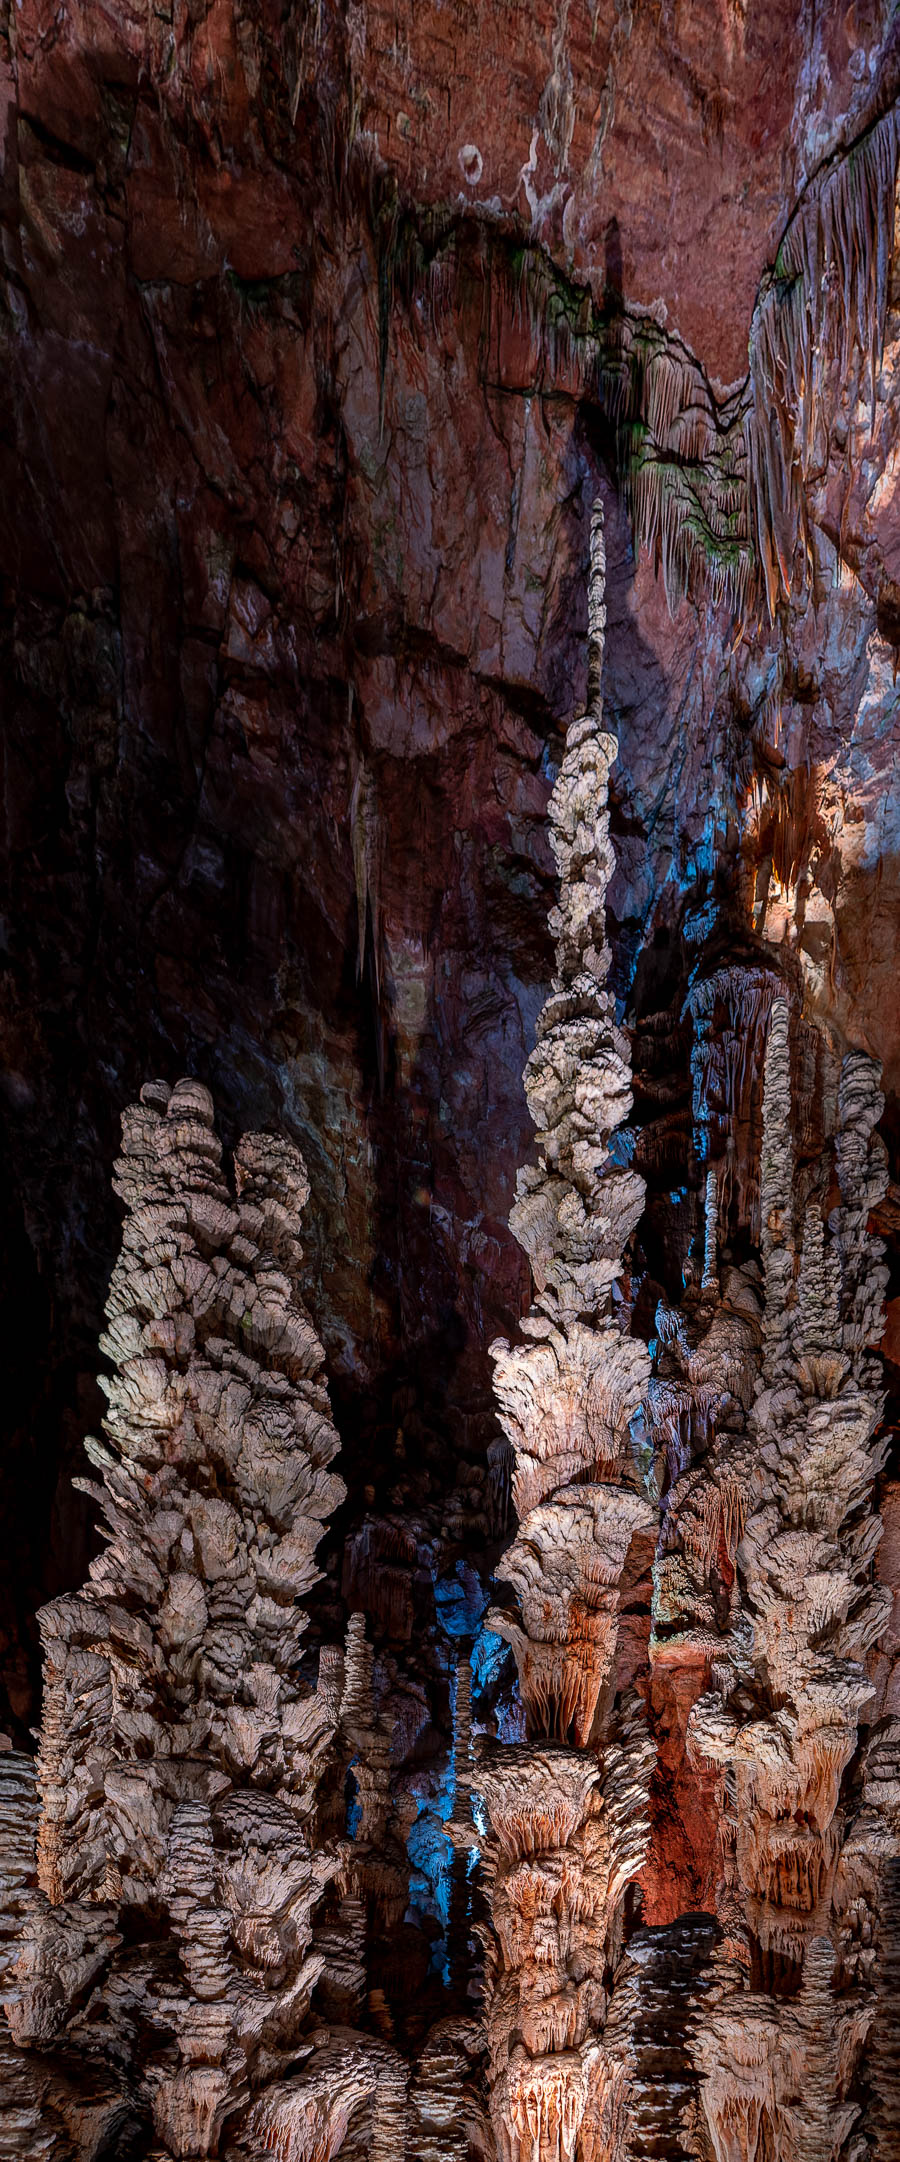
(303,418)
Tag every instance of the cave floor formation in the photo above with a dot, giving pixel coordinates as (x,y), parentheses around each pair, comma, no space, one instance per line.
(450,1082)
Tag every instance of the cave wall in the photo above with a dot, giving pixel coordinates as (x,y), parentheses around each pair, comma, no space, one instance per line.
(311,327)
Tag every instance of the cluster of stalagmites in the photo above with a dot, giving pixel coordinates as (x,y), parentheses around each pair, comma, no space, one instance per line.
(766,1405)
(566,1809)
(160,1950)
(187,1925)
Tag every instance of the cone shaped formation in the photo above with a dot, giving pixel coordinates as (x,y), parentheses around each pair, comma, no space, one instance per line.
(567,1808)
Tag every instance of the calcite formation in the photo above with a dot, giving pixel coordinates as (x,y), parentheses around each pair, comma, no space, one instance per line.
(322,328)
(766,1409)
(790,1683)
(166,1939)
(176,1879)
(567,1808)
(205,1878)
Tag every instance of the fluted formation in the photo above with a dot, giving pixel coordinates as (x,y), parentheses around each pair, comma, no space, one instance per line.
(567,1808)
(765,1581)
(169,1938)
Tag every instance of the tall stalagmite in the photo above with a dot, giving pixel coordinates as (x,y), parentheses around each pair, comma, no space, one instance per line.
(567,1808)
(167,1943)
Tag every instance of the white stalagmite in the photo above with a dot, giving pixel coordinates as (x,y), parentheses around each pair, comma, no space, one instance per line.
(567,1808)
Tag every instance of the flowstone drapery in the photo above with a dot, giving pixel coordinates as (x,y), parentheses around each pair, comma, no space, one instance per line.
(567,1808)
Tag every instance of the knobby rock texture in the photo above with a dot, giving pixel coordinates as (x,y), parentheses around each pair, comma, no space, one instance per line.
(559,1821)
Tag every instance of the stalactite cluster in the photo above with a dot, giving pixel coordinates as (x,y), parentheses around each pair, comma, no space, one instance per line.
(684,463)
(819,315)
(718,490)
(716,486)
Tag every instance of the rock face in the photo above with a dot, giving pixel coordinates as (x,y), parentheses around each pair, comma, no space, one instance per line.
(323,332)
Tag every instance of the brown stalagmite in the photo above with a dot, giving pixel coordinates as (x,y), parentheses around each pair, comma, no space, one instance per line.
(567,1808)
(180,1755)
(375,1875)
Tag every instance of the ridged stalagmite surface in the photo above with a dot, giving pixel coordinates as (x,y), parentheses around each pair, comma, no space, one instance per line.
(204,1866)
(566,1808)
(169,1937)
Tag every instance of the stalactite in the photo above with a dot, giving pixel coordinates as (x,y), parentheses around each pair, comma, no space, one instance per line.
(567,1809)
(180,1756)
(717,493)
(684,464)
(715,487)
(821,310)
